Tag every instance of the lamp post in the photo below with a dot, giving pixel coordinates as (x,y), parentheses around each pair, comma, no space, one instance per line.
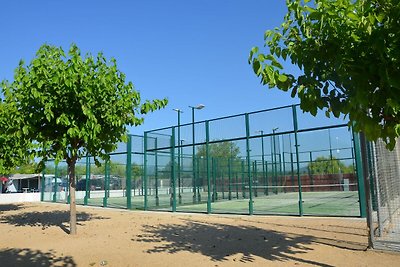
(200,106)
(179,154)
(263,159)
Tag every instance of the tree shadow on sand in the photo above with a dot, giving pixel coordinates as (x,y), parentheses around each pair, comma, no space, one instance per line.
(47,219)
(220,241)
(10,207)
(33,258)
(345,239)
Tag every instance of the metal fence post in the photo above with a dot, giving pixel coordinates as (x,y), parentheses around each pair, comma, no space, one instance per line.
(106,183)
(249,164)
(292,170)
(87,177)
(173,178)
(156,172)
(295,128)
(42,185)
(145,171)
(360,175)
(214,167)
(266,178)
(128,186)
(55,182)
(208,168)
(198,181)
(229,178)
(243,182)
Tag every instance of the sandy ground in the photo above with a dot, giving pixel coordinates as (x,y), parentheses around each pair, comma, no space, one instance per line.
(37,235)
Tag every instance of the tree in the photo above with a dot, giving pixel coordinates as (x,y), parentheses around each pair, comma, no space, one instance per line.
(225,150)
(323,165)
(71,106)
(222,152)
(349,54)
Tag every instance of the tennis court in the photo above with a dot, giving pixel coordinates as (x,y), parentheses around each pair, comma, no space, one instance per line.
(269,162)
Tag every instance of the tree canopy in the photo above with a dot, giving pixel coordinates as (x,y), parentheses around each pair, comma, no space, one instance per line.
(324,165)
(221,150)
(69,106)
(349,55)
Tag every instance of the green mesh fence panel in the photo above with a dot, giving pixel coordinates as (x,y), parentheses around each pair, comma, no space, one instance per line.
(328,178)
(227,128)
(117,181)
(80,174)
(96,184)
(268,122)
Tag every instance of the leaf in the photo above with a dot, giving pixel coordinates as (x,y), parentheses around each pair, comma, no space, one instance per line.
(276,64)
(380,17)
(352,16)
(284,53)
(253,51)
(257,67)
(316,15)
(327,114)
(282,78)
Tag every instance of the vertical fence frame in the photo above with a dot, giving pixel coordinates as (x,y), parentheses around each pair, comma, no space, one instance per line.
(208,168)
(128,180)
(296,143)
(250,181)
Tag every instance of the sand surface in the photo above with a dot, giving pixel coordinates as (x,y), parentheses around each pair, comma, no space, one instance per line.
(37,235)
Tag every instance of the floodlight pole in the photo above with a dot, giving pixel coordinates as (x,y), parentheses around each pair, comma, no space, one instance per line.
(200,106)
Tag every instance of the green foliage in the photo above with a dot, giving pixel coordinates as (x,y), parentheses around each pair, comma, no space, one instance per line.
(323,165)
(221,150)
(118,169)
(27,168)
(71,105)
(349,54)
(221,153)
(13,146)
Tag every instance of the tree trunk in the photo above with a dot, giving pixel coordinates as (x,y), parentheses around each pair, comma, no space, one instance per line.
(72,187)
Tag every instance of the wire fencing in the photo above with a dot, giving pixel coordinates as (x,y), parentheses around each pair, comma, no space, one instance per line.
(275,161)
(384,177)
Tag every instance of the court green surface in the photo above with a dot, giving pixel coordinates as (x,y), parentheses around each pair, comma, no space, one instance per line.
(333,203)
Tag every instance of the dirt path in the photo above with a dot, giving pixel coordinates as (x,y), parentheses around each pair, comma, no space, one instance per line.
(36,235)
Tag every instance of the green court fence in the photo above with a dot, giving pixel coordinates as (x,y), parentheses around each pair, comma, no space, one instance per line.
(275,161)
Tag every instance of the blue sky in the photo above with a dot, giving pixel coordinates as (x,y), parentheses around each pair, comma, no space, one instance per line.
(188,51)
(191,52)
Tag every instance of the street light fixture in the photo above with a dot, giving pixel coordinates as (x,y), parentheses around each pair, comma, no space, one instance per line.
(199,106)
(179,153)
